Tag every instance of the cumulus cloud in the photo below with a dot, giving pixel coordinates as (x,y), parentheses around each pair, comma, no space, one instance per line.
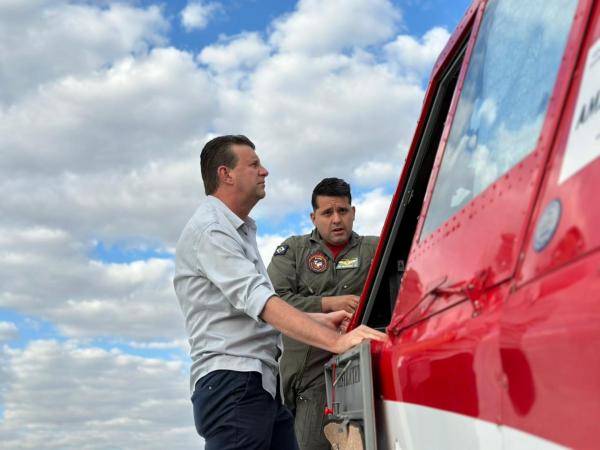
(377,173)
(413,56)
(318,27)
(8,331)
(371,210)
(82,297)
(197,14)
(47,40)
(333,115)
(61,395)
(150,203)
(140,109)
(161,345)
(267,245)
(242,51)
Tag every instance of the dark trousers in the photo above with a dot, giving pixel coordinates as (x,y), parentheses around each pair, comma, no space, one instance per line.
(232,411)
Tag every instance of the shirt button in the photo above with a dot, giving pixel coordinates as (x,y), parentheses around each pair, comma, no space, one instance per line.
(345,286)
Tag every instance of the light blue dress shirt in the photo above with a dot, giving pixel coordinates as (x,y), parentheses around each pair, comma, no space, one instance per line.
(222,287)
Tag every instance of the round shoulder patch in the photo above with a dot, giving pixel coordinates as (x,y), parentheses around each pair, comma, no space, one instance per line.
(318,262)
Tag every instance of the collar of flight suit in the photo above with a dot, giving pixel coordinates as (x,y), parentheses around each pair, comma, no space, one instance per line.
(315,237)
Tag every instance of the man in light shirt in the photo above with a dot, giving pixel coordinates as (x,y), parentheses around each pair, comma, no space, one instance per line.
(232,314)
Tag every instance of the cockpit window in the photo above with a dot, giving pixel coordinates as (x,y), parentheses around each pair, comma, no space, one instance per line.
(504,100)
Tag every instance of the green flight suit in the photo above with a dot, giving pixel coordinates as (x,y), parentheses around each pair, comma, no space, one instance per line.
(302,271)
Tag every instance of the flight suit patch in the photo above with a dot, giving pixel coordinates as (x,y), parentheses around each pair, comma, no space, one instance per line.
(281,250)
(348,263)
(318,262)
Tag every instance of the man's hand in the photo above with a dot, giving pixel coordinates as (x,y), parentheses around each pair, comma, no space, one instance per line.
(340,303)
(337,320)
(309,329)
(346,341)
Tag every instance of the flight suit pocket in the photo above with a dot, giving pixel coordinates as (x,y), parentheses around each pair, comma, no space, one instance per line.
(310,418)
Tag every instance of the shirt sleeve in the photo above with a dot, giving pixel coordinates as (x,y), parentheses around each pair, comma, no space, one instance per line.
(282,272)
(223,261)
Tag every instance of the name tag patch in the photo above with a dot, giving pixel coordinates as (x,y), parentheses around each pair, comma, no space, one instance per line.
(348,263)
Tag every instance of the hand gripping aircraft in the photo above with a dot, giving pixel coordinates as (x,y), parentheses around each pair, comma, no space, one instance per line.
(487,275)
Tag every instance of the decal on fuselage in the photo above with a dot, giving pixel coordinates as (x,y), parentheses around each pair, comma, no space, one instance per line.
(583,145)
(547,225)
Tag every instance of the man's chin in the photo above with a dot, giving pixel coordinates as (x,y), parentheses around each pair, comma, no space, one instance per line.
(338,240)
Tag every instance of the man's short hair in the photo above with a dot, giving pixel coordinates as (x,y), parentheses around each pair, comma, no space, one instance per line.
(217,152)
(331,187)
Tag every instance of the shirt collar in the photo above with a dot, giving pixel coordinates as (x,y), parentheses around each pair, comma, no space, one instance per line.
(230,215)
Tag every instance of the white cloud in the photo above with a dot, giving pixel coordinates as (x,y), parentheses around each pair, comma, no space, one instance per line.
(86,298)
(488,111)
(176,344)
(377,173)
(332,114)
(8,331)
(140,109)
(371,210)
(318,27)
(151,203)
(197,14)
(267,245)
(46,40)
(243,51)
(58,396)
(414,57)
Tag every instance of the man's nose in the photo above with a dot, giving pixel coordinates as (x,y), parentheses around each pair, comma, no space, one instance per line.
(337,217)
(264,171)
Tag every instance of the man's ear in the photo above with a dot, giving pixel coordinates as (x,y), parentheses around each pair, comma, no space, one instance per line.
(224,175)
(312,217)
(353,212)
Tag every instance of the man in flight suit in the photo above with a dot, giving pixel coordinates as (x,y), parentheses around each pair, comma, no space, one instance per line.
(319,272)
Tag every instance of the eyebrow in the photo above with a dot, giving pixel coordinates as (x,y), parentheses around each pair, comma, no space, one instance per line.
(339,208)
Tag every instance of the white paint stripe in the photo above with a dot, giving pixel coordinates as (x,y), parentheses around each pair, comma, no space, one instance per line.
(414,427)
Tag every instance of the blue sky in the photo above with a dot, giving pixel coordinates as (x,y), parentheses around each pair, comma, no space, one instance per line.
(104,107)
(419,16)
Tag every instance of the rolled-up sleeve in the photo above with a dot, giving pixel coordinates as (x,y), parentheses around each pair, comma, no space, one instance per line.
(222,260)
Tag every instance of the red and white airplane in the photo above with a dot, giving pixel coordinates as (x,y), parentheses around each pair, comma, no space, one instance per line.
(487,276)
